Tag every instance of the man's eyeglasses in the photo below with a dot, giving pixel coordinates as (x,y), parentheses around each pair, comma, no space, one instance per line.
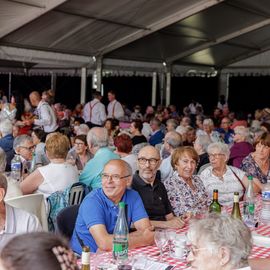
(114,177)
(152,161)
(31,148)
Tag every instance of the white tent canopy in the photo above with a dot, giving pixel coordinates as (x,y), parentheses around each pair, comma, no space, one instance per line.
(135,36)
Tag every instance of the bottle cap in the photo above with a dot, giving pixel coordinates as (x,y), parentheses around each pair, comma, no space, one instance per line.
(250,177)
(121,205)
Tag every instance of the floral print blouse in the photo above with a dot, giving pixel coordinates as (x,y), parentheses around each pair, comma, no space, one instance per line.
(250,166)
(182,198)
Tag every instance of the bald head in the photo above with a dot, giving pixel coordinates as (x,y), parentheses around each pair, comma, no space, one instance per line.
(149,150)
(35,98)
(121,164)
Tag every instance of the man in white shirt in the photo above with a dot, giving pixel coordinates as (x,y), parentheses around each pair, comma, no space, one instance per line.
(115,109)
(94,113)
(46,115)
(14,221)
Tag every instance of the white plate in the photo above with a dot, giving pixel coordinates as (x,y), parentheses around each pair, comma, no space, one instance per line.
(260,240)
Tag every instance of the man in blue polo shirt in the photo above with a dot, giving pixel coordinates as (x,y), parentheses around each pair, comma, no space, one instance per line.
(98,212)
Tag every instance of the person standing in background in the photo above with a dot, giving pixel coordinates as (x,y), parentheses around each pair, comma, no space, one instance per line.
(94,113)
(46,116)
(115,109)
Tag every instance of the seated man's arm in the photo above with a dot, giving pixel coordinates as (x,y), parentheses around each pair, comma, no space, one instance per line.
(171,222)
(142,237)
(102,238)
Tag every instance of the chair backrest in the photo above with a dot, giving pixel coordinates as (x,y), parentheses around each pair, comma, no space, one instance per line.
(66,219)
(34,204)
(77,193)
(203,167)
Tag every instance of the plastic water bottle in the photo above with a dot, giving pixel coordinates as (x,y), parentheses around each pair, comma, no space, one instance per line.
(16,168)
(33,163)
(265,212)
(120,236)
(249,204)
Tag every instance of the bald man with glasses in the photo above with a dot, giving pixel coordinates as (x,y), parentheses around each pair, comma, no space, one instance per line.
(153,193)
(98,212)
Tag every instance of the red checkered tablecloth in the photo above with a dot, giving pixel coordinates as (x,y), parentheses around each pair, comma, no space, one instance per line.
(153,251)
(257,252)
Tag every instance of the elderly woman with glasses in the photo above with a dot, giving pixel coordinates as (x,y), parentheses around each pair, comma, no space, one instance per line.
(227,179)
(257,163)
(219,242)
(79,155)
(186,191)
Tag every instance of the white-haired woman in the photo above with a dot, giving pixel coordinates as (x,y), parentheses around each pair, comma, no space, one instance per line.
(241,147)
(208,129)
(219,242)
(227,179)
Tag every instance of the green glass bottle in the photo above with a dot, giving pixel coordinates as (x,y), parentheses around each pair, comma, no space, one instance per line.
(215,206)
(236,208)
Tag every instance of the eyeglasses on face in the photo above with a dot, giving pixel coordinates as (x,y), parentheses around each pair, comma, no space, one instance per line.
(195,251)
(79,143)
(31,148)
(212,156)
(114,177)
(152,161)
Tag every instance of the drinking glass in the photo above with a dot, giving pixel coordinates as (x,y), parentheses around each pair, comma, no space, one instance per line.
(171,234)
(160,240)
(139,262)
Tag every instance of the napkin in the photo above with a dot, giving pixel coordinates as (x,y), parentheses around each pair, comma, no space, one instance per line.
(260,240)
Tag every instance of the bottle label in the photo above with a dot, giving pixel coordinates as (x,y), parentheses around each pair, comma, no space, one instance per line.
(266,195)
(120,250)
(16,166)
(85,258)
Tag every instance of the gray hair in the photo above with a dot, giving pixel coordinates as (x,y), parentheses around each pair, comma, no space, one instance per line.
(221,147)
(174,139)
(173,122)
(203,141)
(3,182)
(208,121)
(82,129)
(5,127)
(98,137)
(242,131)
(20,140)
(218,231)
(3,161)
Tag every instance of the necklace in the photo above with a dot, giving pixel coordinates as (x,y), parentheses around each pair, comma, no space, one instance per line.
(219,174)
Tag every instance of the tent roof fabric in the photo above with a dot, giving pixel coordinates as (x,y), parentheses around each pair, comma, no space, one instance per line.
(71,34)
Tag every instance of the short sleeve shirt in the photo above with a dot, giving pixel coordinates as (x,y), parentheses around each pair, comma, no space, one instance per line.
(155,198)
(226,185)
(251,168)
(96,209)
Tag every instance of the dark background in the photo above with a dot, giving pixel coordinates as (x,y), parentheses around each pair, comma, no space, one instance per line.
(245,93)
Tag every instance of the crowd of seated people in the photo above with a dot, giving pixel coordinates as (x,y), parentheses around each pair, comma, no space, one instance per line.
(165,165)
